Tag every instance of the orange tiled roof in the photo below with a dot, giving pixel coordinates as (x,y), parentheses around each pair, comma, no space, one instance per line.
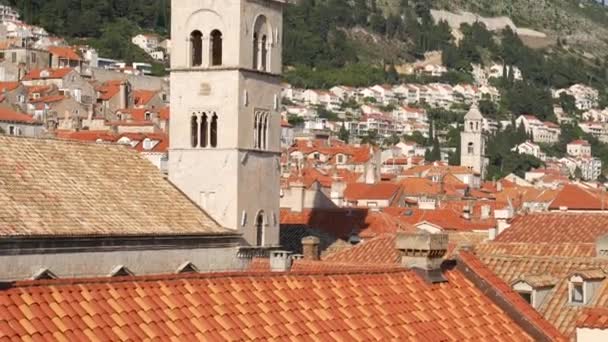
(35,74)
(64,52)
(379,191)
(367,305)
(109,89)
(574,197)
(556,228)
(8,115)
(91,136)
(593,318)
(343,223)
(49,99)
(137,114)
(142,97)
(164,113)
(538,249)
(9,86)
(445,218)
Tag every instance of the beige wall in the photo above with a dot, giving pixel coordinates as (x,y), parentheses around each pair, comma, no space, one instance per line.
(591,335)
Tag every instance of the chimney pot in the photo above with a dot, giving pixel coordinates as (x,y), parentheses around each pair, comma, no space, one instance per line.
(310,248)
(280,261)
(424,253)
(601,245)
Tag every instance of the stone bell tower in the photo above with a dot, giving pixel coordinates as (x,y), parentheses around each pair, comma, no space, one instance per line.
(472,147)
(225,126)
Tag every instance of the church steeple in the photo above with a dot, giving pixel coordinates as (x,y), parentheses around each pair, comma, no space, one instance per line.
(225,125)
(472,148)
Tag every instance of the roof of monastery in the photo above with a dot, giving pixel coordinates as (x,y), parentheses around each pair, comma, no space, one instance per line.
(68,188)
(324,303)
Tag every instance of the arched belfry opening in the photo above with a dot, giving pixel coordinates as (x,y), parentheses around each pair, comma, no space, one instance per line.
(196,48)
(194,131)
(216,48)
(261,44)
(204,128)
(214,130)
(259,229)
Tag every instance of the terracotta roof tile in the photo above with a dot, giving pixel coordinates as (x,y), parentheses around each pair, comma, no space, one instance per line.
(574,197)
(556,228)
(142,97)
(88,193)
(8,86)
(64,52)
(35,74)
(380,191)
(8,115)
(594,318)
(337,305)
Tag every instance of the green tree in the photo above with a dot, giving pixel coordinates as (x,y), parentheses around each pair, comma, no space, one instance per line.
(568,103)
(344,134)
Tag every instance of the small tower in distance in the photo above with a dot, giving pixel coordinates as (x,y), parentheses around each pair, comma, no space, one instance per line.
(472,143)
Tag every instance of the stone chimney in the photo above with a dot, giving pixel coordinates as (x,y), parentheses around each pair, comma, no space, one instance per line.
(310,248)
(337,190)
(280,261)
(423,253)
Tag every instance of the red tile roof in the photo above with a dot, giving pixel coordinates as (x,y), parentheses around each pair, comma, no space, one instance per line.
(142,97)
(363,191)
(36,74)
(64,52)
(593,318)
(574,197)
(370,305)
(445,218)
(136,114)
(91,136)
(343,223)
(556,228)
(164,113)
(49,99)
(109,89)
(8,86)
(579,142)
(8,115)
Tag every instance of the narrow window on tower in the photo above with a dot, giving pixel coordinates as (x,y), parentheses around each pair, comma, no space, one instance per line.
(204,129)
(256,50)
(214,130)
(194,131)
(264,52)
(259,129)
(470,148)
(255,130)
(265,135)
(216,48)
(196,46)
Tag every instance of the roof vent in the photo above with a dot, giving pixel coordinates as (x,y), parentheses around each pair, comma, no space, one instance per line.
(310,248)
(120,271)
(44,274)
(423,252)
(280,261)
(187,267)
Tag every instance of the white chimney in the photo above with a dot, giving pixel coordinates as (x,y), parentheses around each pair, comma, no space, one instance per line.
(280,261)
(298,192)
(423,253)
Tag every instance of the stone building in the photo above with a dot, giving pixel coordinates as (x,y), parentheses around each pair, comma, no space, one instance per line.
(472,148)
(225,125)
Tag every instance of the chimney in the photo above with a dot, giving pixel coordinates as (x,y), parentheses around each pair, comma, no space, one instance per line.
(499,186)
(423,253)
(337,191)
(466,211)
(310,248)
(298,191)
(280,261)
(485,212)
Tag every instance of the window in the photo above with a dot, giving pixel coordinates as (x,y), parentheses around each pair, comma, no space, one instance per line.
(194,131)
(14,57)
(216,47)
(148,116)
(12,130)
(527,296)
(33,57)
(1,55)
(470,148)
(259,229)
(196,43)
(471,125)
(577,294)
(256,50)
(204,128)
(264,52)
(265,132)
(214,131)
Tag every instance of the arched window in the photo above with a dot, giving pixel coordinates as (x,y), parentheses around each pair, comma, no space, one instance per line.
(196,43)
(264,52)
(265,132)
(255,130)
(214,130)
(194,131)
(471,125)
(256,50)
(216,47)
(470,148)
(259,229)
(259,129)
(204,129)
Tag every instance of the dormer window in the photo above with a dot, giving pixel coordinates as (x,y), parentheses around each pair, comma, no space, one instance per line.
(534,288)
(583,285)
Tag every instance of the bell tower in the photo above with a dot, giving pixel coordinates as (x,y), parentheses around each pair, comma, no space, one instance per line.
(225,126)
(472,143)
